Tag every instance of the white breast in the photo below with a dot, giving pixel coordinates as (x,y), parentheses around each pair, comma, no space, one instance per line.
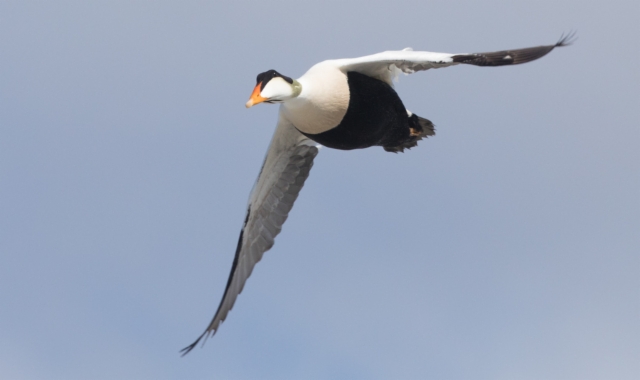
(323,101)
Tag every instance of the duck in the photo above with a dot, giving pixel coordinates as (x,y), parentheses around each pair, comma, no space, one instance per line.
(341,104)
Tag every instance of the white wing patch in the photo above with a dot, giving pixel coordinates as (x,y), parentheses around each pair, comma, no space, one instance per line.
(387,65)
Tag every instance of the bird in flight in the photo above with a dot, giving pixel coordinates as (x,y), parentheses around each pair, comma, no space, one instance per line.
(342,104)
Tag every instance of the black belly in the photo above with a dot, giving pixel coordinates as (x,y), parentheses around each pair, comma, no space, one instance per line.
(376,116)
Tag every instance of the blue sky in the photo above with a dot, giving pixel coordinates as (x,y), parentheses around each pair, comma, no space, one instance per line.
(506,247)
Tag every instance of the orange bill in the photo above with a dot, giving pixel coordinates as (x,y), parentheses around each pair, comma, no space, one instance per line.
(255,97)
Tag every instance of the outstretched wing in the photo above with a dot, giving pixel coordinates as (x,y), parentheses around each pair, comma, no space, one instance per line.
(385,66)
(286,167)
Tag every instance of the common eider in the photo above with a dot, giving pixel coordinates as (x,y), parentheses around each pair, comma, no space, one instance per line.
(341,104)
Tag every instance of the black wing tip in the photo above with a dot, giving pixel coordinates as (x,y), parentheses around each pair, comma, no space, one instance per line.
(193,345)
(190,347)
(566,40)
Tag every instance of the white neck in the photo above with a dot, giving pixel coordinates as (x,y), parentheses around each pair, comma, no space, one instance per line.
(323,101)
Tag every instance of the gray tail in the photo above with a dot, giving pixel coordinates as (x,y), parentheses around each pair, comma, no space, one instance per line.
(419,128)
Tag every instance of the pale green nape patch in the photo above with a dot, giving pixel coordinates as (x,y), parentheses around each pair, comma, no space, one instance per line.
(297,88)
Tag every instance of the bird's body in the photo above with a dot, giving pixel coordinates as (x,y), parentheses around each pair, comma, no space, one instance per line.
(363,112)
(342,104)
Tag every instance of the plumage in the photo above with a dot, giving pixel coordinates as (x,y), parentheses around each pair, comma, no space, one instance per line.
(342,104)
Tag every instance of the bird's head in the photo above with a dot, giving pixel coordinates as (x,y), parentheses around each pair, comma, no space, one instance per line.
(273,87)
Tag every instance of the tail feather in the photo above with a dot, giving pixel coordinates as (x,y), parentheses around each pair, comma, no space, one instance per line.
(419,128)
(428,129)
